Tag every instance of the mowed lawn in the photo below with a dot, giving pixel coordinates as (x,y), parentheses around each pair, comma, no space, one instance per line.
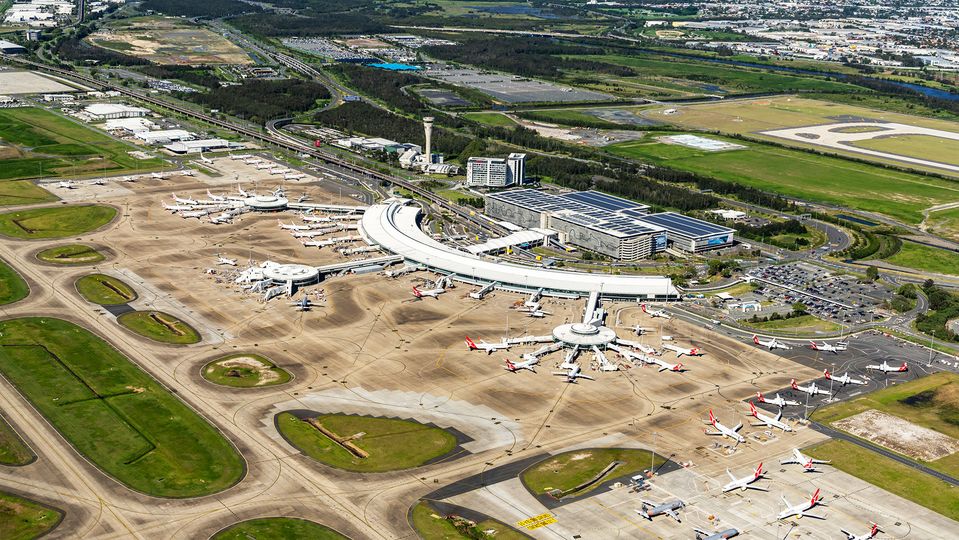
(570,469)
(71,255)
(23,519)
(13,288)
(105,290)
(925,147)
(806,176)
(20,192)
(278,528)
(927,258)
(113,413)
(490,119)
(159,326)
(55,221)
(804,323)
(13,451)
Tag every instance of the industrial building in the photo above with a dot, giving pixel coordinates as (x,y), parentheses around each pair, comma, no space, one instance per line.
(496,172)
(8,47)
(98,112)
(205,145)
(164,136)
(691,234)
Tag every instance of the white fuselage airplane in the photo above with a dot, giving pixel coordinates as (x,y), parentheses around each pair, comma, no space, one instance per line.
(812,389)
(803,460)
(680,351)
(664,366)
(529,364)
(650,510)
(872,532)
(574,372)
(825,347)
(723,430)
(843,380)
(646,349)
(771,343)
(719,535)
(656,312)
(292,227)
(886,368)
(225,260)
(744,482)
(769,421)
(189,200)
(777,401)
(66,185)
(215,198)
(799,510)
(488,347)
(432,293)
(303,305)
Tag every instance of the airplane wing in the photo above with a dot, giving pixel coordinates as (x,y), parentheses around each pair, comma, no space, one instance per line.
(788,461)
(757,488)
(731,477)
(812,516)
(707,432)
(561,373)
(674,515)
(738,426)
(585,377)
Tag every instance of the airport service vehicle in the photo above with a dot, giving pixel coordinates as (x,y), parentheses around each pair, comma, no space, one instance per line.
(529,364)
(866,536)
(745,482)
(303,305)
(432,293)
(771,343)
(656,312)
(694,351)
(664,366)
(225,260)
(886,368)
(812,389)
(488,347)
(724,431)
(573,373)
(777,401)
(843,380)
(799,510)
(649,510)
(768,421)
(803,460)
(825,347)
(719,535)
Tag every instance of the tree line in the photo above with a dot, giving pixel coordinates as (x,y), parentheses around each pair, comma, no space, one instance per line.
(262,100)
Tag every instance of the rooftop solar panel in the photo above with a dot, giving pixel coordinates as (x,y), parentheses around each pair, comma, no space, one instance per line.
(685,225)
(607,202)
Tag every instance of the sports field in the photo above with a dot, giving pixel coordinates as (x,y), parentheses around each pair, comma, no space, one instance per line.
(12,287)
(278,528)
(113,413)
(927,258)
(23,519)
(55,221)
(37,143)
(165,40)
(568,470)
(159,326)
(70,255)
(13,451)
(794,173)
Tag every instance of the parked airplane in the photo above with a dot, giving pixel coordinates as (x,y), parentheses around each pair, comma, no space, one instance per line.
(292,227)
(771,343)
(189,200)
(825,347)
(694,351)
(67,184)
(721,535)
(573,373)
(488,347)
(812,389)
(872,532)
(98,182)
(799,510)
(529,364)
(744,483)
(723,430)
(640,330)
(769,421)
(777,401)
(215,198)
(656,312)
(886,368)
(304,304)
(225,260)
(843,380)
(650,510)
(433,293)
(804,461)
(177,207)
(663,365)
(646,349)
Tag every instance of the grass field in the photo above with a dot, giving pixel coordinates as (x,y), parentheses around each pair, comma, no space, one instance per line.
(55,221)
(37,143)
(13,451)
(105,290)
(22,192)
(806,176)
(570,117)
(12,287)
(71,255)
(890,475)
(159,326)
(490,119)
(944,223)
(278,528)
(245,370)
(113,413)
(570,469)
(392,444)
(918,146)
(431,525)
(929,259)
(23,519)
(804,323)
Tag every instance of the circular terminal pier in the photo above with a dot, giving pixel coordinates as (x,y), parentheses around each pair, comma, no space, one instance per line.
(266,203)
(584,335)
(299,274)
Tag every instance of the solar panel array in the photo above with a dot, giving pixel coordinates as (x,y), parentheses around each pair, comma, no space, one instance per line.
(603,200)
(685,225)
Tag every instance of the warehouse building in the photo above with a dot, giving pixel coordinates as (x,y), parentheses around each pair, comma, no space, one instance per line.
(496,172)
(205,145)
(691,234)
(98,112)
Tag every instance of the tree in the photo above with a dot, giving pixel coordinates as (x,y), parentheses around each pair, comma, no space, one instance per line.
(799,308)
(872,273)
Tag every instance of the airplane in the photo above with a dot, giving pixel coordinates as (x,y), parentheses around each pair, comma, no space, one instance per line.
(812,389)
(771,343)
(721,535)
(292,227)
(641,330)
(529,364)
(744,483)
(799,510)
(872,532)
(316,219)
(575,372)
(663,365)
(215,198)
(723,430)
(188,200)
(433,293)
(68,184)
(777,401)
(176,207)
(769,421)
(538,314)
(225,260)
(844,379)
(242,192)
(886,368)
(825,347)
(803,460)
(98,182)
(650,510)
(303,305)
(488,347)
(656,313)
(694,351)
(646,349)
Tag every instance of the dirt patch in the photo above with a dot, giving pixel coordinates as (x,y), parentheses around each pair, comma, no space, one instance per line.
(264,371)
(581,456)
(899,435)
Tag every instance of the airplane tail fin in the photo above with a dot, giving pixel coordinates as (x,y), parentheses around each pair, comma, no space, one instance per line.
(752,409)
(510,366)
(874,530)
(694,351)
(826,373)
(815,497)
(712,417)
(904,367)
(755,339)
(759,470)
(760,398)
(417,293)
(792,383)
(644,308)
(813,346)
(469,342)
(678,367)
